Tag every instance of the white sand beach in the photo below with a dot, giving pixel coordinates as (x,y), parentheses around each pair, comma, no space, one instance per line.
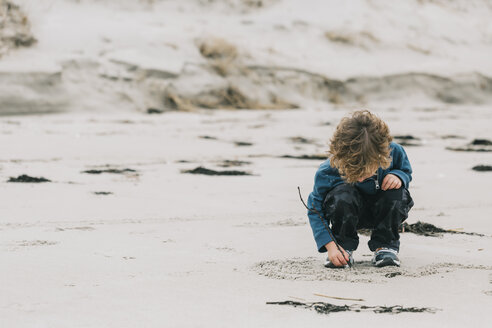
(121,236)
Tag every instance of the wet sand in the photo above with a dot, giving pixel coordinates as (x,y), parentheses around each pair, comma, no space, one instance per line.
(143,244)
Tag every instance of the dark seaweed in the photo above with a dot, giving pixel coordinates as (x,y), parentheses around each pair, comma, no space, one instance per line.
(113,171)
(242,143)
(452,136)
(406,140)
(482,168)
(427,229)
(423,229)
(229,163)
(302,140)
(327,308)
(480,150)
(205,171)
(309,157)
(481,142)
(409,144)
(406,137)
(154,111)
(472,146)
(28,179)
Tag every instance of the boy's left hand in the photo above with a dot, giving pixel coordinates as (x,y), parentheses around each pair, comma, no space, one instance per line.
(391,181)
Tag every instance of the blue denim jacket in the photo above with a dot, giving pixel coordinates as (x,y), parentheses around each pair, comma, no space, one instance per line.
(328,177)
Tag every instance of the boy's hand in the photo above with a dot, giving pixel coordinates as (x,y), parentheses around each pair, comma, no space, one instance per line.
(335,256)
(391,181)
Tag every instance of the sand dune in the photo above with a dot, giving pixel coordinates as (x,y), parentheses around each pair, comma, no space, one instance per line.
(151,54)
(149,194)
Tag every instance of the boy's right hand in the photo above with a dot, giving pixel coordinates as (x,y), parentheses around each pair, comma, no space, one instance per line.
(334,255)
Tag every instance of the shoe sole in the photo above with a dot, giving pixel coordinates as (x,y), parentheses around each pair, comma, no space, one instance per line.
(387,262)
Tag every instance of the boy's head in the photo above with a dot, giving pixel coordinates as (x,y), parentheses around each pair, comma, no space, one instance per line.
(359,146)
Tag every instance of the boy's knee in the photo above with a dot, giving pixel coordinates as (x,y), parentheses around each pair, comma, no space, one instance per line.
(393,194)
(399,197)
(342,195)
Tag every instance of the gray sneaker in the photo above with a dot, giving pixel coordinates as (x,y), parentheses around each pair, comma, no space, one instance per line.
(330,265)
(384,256)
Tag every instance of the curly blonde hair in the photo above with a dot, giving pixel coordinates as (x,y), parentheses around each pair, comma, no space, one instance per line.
(360,145)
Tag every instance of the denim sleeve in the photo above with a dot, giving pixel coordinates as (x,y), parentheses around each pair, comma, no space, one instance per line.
(401,165)
(322,184)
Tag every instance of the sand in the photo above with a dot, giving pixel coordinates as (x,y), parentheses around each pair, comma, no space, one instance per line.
(130,55)
(102,226)
(165,248)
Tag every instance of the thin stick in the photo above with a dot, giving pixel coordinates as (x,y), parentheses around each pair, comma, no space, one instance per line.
(297,298)
(341,298)
(324,223)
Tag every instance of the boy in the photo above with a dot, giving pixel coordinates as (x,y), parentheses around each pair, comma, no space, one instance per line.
(363,184)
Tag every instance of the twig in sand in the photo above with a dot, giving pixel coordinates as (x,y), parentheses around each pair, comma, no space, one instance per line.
(325,224)
(297,298)
(341,298)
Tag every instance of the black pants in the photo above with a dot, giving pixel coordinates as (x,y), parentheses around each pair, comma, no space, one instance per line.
(348,209)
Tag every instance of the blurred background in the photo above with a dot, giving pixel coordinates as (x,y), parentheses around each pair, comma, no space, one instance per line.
(175,85)
(162,55)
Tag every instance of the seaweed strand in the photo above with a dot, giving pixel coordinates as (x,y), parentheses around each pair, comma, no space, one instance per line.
(326,308)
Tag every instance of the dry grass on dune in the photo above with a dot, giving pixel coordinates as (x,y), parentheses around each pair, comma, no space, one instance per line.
(15,29)
(362,39)
(229,97)
(220,54)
